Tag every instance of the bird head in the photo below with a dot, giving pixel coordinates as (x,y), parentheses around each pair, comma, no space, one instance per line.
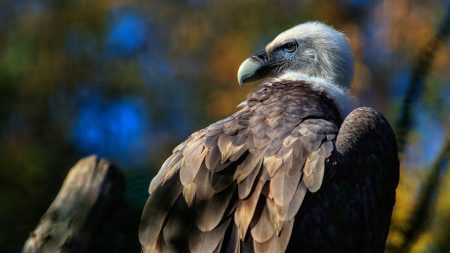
(312,49)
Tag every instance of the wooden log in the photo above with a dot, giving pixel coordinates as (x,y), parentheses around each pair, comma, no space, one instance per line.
(92,190)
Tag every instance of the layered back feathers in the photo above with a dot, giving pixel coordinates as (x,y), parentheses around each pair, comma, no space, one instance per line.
(237,185)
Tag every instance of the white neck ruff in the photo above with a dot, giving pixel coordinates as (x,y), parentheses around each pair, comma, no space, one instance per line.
(338,94)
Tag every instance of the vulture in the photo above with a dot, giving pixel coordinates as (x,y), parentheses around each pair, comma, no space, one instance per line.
(295,169)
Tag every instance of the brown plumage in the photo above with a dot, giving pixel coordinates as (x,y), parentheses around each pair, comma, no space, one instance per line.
(289,171)
(233,182)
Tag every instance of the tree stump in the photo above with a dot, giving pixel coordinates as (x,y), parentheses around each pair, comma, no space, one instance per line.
(92,189)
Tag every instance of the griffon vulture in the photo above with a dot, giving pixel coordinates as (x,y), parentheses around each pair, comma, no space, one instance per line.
(295,169)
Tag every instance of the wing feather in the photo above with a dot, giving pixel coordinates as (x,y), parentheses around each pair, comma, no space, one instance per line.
(173,236)
(207,242)
(239,138)
(153,219)
(276,243)
(204,188)
(189,193)
(245,210)
(283,186)
(288,213)
(237,152)
(315,166)
(172,162)
(274,214)
(272,164)
(264,229)
(193,159)
(233,243)
(247,185)
(213,158)
(210,212)
(220,181)
(250,163)
(225,147)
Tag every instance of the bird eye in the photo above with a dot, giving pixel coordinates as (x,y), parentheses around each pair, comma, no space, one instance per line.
(289,46)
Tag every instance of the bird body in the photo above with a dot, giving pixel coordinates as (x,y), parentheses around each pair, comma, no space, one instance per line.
(292,170)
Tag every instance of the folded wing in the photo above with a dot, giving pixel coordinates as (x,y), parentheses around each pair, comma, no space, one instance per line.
(241,181)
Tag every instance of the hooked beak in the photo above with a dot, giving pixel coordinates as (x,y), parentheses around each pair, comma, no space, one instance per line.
(254,68)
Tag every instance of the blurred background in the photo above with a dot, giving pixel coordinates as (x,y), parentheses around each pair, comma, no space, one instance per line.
(128,80)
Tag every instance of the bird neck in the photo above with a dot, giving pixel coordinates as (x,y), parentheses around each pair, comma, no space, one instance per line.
(338,94)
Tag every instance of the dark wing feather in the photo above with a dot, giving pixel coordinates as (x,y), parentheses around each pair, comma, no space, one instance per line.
(210,212)
(153,219)
(352,209)
(248,172)
(200,242)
